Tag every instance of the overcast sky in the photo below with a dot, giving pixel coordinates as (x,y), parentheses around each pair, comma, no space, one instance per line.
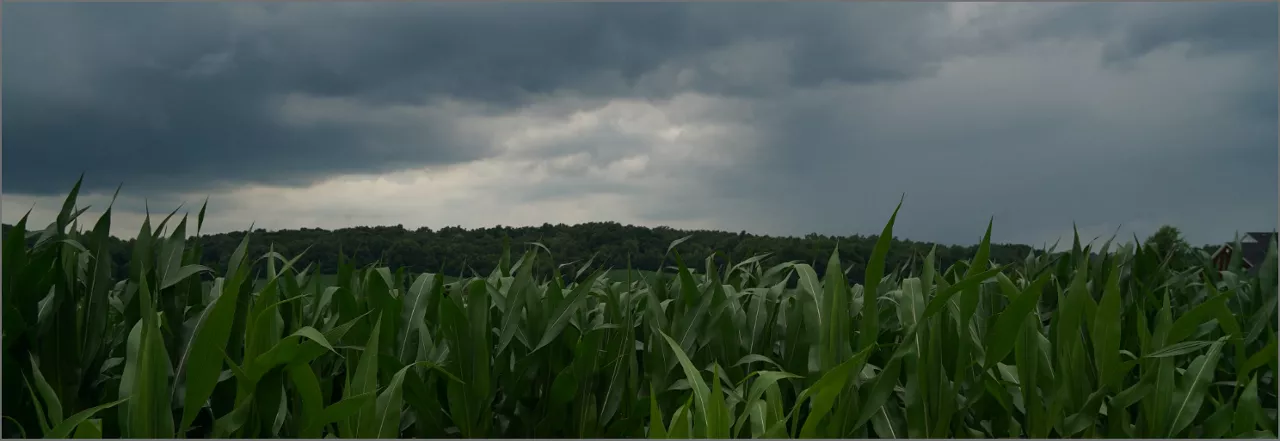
(771,118)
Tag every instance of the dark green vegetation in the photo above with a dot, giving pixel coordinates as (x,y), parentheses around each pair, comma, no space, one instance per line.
(456,251)
(1130,342)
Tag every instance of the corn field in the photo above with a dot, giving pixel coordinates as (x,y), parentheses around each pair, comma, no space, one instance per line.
(1091,342)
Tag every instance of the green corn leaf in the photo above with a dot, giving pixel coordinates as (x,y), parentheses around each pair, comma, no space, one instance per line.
(41,419)
(1182,348)
(76,421)
(1186,324)
(479,348)
(701,393)
(944,295)
(836,330)
(365,380)
(567,307)
(1190,394)
(388,407)
(203,362)
(825,391)
(1106,332)
(89,429)
(149,401)
(875,271)
(342,410)
(414,313)
(656,428)
(874,403)
(1218,424)
(232,422)
(756,358)
(764,380)
(515,307)
(718,414)
(1249,414)
(1266,355)
(1004,333)
(680,422)
(98,287)
(310,398)
(52,405)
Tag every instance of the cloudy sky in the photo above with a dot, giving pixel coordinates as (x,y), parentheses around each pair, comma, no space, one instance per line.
(770,118)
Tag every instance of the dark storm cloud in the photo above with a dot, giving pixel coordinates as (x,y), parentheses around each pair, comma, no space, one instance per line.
(1037,136)
(1132,30)
(164,98)
(1207,27)
(170,97)
(1037,114)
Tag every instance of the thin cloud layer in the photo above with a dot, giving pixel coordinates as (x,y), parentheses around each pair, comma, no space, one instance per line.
(772,118)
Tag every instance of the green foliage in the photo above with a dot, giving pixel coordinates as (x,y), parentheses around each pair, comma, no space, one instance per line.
(1167,239)
(457,251)
(1135,342)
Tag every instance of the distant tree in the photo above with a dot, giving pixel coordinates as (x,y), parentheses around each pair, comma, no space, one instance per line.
(1167,239)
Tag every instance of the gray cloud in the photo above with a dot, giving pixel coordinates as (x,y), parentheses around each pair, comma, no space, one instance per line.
(184,95)
(1038,137)
(817,117)
(1132,30)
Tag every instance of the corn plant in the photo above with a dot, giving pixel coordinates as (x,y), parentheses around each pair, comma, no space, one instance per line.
(1131,342)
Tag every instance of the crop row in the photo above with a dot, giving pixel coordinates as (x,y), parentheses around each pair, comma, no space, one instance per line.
(1090,342)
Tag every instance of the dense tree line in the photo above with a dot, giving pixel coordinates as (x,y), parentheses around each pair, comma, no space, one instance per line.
(459,251)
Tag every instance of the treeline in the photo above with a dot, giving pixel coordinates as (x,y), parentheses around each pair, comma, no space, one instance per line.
(458,251)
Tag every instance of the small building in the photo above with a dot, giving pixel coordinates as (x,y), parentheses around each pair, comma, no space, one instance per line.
(1253,251)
